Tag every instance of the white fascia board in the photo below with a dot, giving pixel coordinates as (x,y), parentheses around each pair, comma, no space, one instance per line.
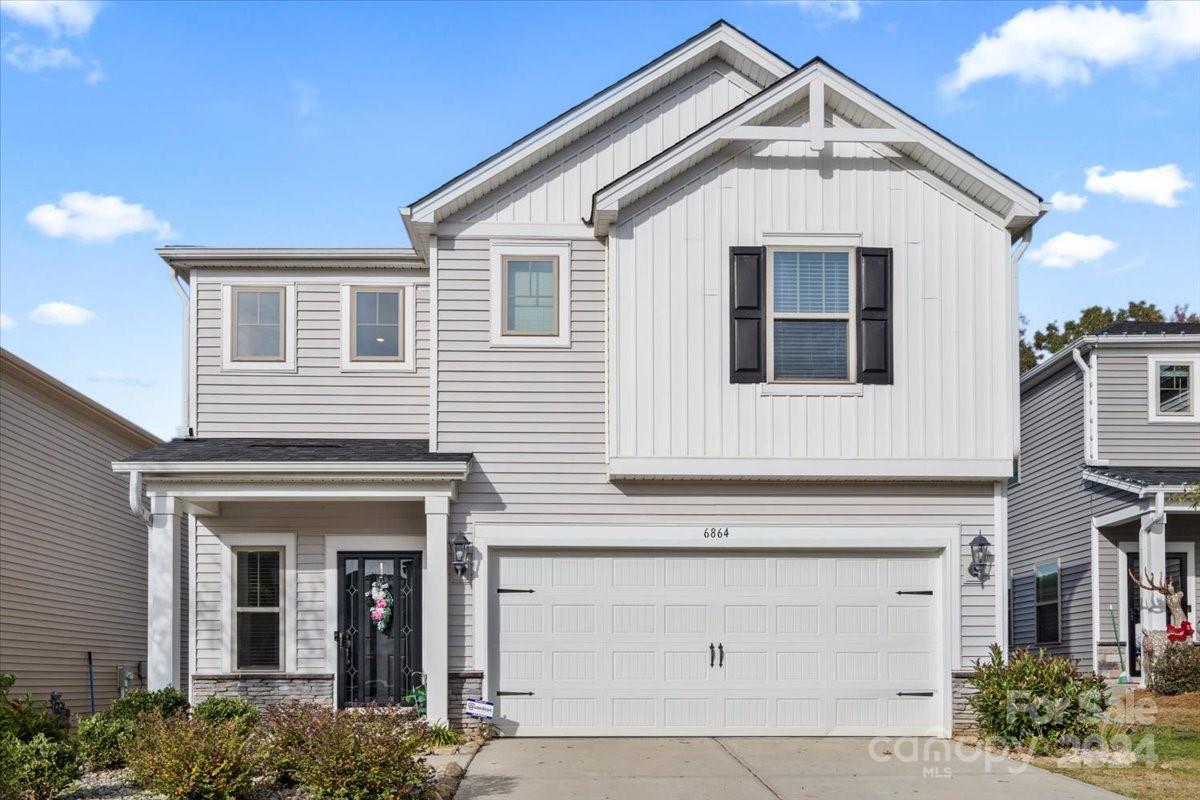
(981,469)
(708,43)
(184,258)
(431,468)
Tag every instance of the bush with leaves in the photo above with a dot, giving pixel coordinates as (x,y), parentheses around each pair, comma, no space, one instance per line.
(442,735)
(1036,700)
(193,759)
(102,739)
(367,753)
(25,717)
(39,769)
(226,709)
(164,702)
(1176,669)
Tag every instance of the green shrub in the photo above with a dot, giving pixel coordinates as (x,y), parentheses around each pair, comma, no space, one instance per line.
(359,754)
(25,718)
(442,735)
(225,709)
(164,702)
(192,759)
(1036,700)
(42,768)
(10,747)
(1176,669)
(102,739)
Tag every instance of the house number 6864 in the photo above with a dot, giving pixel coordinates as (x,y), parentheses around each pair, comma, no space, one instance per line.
(716,533)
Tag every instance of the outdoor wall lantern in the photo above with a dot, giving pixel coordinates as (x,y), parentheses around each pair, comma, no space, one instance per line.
(460,552)
(979,551)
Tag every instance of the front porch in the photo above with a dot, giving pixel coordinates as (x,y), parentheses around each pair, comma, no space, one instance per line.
(1156,534)
(284,546)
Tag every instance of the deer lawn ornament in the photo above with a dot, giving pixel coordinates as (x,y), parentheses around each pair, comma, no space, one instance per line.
(1178,627)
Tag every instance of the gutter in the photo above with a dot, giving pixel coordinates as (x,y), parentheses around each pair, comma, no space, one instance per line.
(434,469)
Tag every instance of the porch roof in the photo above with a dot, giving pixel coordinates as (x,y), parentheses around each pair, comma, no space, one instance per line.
(1142,480)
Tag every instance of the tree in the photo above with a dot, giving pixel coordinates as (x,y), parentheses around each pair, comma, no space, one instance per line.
(1053,338)
(1181,314)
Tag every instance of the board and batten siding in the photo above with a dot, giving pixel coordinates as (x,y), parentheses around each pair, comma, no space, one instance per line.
(1050,512)
(318,399)
(72,554)
(560,189)
(315,525)
(1127,437)
(535,421)
(669,272)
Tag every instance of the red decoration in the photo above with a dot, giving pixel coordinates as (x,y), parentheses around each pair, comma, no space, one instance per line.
(1180,633)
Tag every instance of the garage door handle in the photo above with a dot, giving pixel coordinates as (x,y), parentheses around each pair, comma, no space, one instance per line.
(721,650)
(514,591)
(514,694)
(712,654)
(915,591)
(914,694)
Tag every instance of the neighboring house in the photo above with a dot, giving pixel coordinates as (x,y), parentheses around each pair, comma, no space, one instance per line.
(1110,433)
(710,395)
(72,553)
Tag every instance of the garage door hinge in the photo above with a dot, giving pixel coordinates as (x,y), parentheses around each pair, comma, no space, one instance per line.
(514,591)
(915,591)
(914,694)
(510,694)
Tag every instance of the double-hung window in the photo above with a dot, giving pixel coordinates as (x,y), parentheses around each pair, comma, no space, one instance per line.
(1173,389)
(1047,596)
(258,609)
(810,330)
(378,328)
(259,327)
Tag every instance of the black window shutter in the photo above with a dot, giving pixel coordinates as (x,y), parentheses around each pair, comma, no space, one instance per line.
(747,315)
(874,315)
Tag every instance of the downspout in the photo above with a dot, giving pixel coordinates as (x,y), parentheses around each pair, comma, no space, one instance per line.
(1091,454)
(183,428)
(1014,264)
(135,497)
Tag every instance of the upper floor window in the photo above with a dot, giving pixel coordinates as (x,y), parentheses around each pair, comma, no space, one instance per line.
(258,612)
(260,327)
(810,331)
(378,327)
(1173,389)
(530,294)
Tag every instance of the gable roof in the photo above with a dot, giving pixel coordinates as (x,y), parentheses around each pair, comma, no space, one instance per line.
(850,105)
(720,40)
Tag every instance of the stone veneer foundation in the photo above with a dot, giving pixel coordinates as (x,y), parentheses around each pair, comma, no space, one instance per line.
(265,689)
(464,684)
(963,718)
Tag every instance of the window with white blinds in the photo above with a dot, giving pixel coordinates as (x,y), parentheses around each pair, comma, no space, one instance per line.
(810,327)
(258,622)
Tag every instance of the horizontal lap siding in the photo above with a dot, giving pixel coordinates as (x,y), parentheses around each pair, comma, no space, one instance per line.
(316,525)
(560,190)
(535,422)
(318,399)
(72,554)
(671,396)
(1126,435)
(1051,509)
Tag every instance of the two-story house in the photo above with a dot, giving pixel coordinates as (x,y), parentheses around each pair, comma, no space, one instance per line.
(1110,435)
(681,416)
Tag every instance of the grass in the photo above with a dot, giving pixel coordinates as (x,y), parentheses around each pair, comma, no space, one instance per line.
(1166,739)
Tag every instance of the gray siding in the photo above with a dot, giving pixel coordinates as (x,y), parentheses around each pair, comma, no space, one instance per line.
(318,399)
(535,421)
(1050,511)
(72,554)
(1126,435)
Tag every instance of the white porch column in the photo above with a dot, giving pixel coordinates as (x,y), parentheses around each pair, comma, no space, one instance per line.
(435,598)
(162,588)
(1152,560)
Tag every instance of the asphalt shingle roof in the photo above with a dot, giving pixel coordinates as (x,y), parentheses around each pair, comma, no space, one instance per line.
(1150,476)
(1131,328)
(276,450)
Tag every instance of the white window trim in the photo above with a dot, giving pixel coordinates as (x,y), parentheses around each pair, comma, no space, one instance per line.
(824,385)
(230,542)
(288,364)
(1153,362)
(1057,564)
(408,311)
(515,248)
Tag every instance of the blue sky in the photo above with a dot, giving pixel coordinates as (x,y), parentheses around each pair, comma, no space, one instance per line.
(294,124)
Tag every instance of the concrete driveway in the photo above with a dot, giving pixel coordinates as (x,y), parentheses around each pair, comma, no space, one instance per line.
(753,769)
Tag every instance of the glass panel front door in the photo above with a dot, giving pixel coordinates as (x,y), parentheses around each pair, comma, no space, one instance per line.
(378,636)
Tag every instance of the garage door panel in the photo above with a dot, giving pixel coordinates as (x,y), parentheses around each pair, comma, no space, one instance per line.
(618,643)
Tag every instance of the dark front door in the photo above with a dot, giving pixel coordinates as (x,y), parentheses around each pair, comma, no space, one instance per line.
(1176,571)
(379,627)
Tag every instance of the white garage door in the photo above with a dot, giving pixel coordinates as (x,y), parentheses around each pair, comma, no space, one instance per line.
(636,644)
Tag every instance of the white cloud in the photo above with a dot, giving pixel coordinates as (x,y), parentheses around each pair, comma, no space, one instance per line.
(60,313)
(1136,263)
(842,10)
(306,97)
(93,218)
(1157,185)
(1063,201)
(104,376)
(1068,249)
(56,17)
(29,57)
(1061,44)
(7,323)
